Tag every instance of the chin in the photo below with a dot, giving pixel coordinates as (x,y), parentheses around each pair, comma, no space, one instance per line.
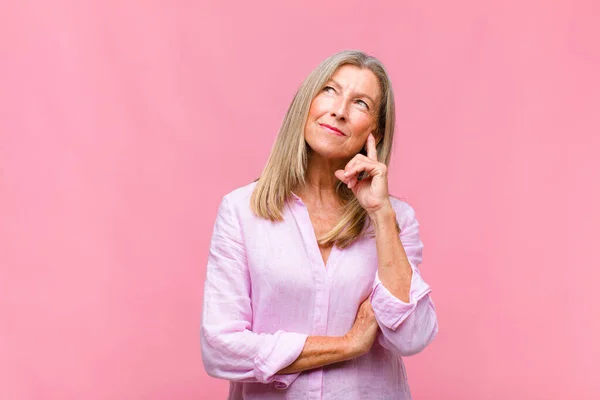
(327,152)
(325,145)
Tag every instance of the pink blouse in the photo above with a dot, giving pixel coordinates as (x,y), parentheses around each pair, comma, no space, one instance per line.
(267,289)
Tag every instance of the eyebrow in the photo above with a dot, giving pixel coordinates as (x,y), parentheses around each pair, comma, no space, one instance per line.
(358,94)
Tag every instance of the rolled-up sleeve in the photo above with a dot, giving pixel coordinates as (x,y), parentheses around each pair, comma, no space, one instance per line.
(406,328)
(230,350)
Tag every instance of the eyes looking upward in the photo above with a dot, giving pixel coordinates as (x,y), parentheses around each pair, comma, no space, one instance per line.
(335,90)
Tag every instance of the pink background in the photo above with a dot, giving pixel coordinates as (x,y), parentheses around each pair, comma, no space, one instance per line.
(122,123)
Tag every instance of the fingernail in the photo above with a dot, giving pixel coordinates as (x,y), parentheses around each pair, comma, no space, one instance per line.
(346,173)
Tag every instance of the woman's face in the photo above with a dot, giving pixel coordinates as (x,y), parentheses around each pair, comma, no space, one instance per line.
(344,113)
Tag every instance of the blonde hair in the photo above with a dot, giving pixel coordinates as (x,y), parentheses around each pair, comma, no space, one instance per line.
(286,166)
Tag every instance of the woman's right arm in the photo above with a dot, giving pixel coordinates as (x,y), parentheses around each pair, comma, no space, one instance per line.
(230,350)
(323,350)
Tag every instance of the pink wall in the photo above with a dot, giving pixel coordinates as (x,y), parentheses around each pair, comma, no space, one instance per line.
(123,123)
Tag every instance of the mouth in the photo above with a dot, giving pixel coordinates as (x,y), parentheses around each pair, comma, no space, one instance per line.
(332,129)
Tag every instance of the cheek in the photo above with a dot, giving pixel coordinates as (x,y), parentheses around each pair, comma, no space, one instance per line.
(318,107)
(314,113)
(363,123)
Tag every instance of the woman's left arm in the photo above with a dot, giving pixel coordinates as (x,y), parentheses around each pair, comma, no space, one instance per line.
(400,297)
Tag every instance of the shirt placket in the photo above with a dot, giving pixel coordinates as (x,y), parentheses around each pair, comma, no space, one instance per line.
(321,310)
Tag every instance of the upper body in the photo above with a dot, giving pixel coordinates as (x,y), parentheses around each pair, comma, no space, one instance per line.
(312,288)
(267,290)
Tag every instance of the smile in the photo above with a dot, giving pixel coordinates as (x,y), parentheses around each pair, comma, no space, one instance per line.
(333,130)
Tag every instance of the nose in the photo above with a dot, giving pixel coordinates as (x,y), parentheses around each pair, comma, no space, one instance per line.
(339,109)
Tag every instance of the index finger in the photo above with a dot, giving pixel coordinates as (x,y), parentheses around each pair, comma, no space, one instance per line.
(371,148)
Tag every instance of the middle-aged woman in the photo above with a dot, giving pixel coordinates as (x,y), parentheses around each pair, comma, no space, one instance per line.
(312,289)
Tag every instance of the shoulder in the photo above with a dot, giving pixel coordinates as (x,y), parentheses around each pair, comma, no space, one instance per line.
(238,199)
(240,194)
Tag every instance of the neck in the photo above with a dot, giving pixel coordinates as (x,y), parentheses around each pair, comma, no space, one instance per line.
(320,182)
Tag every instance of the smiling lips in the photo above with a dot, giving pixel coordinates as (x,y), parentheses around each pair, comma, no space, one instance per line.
(333,130)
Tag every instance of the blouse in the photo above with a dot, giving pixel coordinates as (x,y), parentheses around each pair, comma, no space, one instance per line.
(267,289)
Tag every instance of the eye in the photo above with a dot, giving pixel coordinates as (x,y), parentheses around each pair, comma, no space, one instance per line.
(363,103)
(328,89)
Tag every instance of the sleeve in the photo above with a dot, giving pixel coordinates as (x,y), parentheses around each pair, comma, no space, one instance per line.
(230,350)
(406,328)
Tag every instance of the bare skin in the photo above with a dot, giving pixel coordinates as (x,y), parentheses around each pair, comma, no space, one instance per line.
(324,213)
(323,350)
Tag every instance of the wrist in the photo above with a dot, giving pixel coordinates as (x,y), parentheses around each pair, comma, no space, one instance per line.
(384,213)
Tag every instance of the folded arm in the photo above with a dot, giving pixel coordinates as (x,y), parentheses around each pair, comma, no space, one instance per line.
(230,350)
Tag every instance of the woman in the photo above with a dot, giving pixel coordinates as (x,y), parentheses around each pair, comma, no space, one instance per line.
(312,288)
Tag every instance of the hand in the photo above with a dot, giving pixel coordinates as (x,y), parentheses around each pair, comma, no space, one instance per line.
(371,192)
(361,336)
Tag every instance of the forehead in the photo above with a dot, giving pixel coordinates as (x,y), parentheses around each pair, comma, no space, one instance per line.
(357,79)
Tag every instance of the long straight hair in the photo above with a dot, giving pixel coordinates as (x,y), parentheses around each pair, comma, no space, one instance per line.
(286,167)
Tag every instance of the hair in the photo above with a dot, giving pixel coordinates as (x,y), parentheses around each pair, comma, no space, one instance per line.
(286,167)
